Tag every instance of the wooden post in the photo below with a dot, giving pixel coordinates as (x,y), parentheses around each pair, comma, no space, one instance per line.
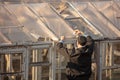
(24,64)
(98,52)
(33,68)
(27,63)
(111,60)
(59,66)
(52,76)
(2,66)
(107,59)
(39,68)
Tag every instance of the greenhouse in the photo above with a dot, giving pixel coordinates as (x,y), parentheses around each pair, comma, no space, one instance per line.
(30,29)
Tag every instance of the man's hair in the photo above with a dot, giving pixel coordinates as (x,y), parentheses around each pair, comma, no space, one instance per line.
(82,40)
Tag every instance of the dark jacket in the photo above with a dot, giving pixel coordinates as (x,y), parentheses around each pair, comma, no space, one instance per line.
(80,59)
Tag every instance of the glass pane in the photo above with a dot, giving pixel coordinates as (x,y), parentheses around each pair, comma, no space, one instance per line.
(13,65)
(39,73)
(10,27)
(97,20)
(110,10)
(111,74)
(38,70)
(117,53)
(57,25)
(39,55)
(31,22)
(3,39)
(73,18)
(60,74)
(7,18)
(15,34)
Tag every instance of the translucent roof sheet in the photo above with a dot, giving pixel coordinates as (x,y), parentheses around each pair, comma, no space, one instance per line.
(90,13)
(56,24)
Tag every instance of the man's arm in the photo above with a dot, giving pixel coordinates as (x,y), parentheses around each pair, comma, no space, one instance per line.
(62,49)
(89,45)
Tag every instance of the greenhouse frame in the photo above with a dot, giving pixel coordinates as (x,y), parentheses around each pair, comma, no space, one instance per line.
(30,29)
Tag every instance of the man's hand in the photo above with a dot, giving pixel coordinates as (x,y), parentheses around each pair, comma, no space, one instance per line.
(62,38)
(77,32)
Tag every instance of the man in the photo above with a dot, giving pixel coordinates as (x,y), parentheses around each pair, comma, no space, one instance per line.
(79,64)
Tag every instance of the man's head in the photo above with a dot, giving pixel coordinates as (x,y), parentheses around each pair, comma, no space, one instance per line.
(82,40)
